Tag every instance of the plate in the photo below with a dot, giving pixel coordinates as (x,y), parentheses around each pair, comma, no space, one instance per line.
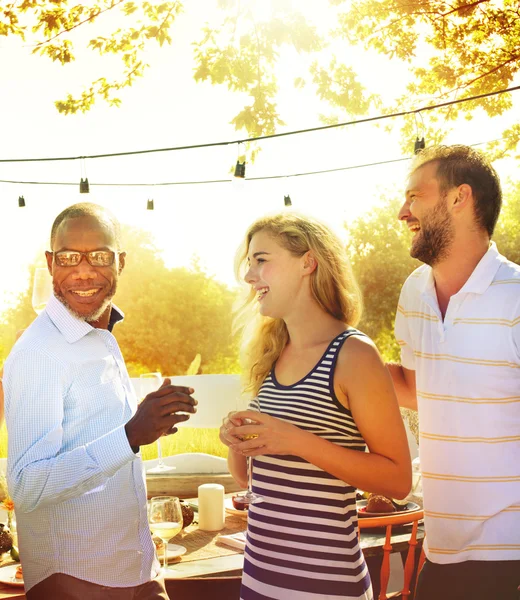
(228,505)
(174,551)
(362,512)
(7,575)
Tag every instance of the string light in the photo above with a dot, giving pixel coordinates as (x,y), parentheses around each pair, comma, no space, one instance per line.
(240,170)
(21,202)
(226,181)
(84,187)
(419,145)
(149,205)
(287,200)
(416,111)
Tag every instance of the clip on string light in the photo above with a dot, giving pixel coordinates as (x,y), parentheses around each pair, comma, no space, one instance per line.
(240,170)
(287,200)
(21,202)
(403,113)
(84,186)
(419,145)
(149,205)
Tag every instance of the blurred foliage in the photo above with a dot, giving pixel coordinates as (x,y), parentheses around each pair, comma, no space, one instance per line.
(49,26)
(471,48)
(452,50)
(379,251)
(507,233)
(171,315)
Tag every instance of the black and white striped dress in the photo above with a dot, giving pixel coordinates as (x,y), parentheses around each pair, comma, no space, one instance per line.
(302,540)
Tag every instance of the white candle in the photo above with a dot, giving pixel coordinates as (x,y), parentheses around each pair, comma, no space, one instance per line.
(211,507)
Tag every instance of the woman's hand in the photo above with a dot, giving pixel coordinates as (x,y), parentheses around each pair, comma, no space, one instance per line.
(272,435)
(228,423)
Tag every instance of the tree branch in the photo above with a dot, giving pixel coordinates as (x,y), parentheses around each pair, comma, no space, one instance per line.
(92,17)
(463,7)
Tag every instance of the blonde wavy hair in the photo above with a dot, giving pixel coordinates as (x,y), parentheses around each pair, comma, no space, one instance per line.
(333,287)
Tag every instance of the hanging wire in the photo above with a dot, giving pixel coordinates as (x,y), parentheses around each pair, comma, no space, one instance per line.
(267,137)
(209,181)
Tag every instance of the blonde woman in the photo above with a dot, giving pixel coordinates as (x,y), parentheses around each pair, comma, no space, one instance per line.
(324,395)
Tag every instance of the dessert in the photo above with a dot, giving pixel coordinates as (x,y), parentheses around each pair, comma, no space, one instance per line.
(18,574)
(187,514)
(6,539)
(380,504)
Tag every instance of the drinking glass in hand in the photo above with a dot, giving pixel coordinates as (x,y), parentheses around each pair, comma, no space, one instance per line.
(250,497)
(42,289)
(150,382)
(165,520)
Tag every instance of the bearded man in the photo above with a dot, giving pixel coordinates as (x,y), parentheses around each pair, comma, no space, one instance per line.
(74,469)
(458,324)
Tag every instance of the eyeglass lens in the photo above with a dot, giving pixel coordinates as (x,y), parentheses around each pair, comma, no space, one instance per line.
(96,258)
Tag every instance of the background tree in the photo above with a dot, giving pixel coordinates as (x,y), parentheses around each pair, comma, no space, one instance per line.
(170,315)
(379,249)
(471,47)
(507,233)
(453,49)
(49,26)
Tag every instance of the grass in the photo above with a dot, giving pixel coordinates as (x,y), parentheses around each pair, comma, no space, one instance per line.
(187,439)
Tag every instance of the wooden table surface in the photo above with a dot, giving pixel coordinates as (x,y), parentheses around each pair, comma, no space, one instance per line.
(204,559)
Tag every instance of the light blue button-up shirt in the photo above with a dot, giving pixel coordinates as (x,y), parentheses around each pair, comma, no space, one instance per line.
(78,488)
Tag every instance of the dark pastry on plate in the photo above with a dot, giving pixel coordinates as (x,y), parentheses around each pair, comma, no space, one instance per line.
(6,539)
(187,514)
(379,504)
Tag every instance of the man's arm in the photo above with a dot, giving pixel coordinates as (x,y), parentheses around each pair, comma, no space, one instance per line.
(40,472)
(404,383)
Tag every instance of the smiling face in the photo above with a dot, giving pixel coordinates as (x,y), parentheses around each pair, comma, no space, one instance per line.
(427,216)
(275,274)
(85,290)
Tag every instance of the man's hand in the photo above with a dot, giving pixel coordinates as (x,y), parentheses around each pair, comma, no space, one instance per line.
(156,415)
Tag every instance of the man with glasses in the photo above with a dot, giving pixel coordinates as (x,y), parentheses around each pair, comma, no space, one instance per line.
(75,429)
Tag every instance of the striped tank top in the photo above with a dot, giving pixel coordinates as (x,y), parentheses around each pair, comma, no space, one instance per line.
(302,540)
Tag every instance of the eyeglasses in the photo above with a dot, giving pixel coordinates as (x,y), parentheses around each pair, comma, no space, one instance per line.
(96,258)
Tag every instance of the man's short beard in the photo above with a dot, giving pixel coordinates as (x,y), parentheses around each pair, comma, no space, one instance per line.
(95,315)
(436,235)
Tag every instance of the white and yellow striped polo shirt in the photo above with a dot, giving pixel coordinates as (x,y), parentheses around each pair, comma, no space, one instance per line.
(468,392)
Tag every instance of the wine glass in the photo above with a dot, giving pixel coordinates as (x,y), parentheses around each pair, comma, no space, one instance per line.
(42,289)
(150,382)
(165,520)
(250,497)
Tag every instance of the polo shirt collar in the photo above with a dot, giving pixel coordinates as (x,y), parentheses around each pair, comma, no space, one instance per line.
(484,273)
(478,282)
(72,328)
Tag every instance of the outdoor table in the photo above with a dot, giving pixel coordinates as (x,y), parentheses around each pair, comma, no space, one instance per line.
(206,557)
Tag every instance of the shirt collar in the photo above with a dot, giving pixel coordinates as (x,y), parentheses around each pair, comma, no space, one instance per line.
(72,328)
(479,280)
(484,273)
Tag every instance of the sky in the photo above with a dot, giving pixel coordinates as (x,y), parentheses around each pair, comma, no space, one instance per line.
(168,108)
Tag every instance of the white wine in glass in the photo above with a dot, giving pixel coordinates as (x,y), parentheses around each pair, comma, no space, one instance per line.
(150,382)
(250,497)
(165,520)
(42,289)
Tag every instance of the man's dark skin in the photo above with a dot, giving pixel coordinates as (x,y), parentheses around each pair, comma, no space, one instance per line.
(156,414)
